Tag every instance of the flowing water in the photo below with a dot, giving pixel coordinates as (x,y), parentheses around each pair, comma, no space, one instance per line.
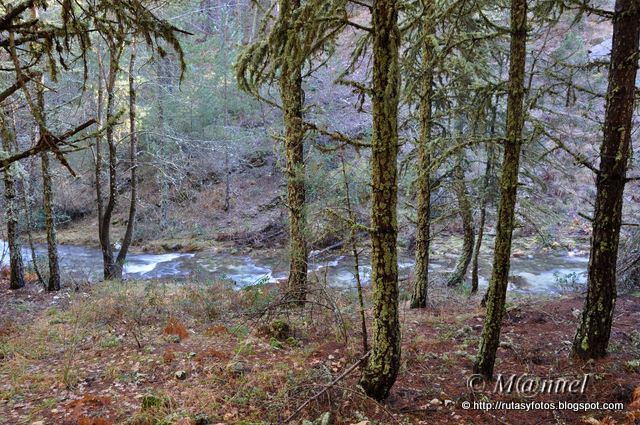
(544,274)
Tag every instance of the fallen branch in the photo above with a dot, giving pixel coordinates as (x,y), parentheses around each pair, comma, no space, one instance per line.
(328,387)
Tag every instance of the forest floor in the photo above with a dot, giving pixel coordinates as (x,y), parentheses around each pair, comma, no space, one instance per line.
(163,353)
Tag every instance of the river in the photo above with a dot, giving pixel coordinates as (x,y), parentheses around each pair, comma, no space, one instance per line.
(543,274)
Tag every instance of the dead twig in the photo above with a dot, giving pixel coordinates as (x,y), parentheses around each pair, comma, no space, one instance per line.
(328,387)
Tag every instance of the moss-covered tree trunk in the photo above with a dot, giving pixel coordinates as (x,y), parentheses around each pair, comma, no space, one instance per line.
(384,360)
(592,338)
(466,214)
(420,296)
(292,99)
(53,283)
(508,192)
(16,277)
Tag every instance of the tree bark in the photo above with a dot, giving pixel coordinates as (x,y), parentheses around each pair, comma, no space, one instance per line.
(592,337)
(28,208)
(16,264)
(490,339)
(98,153)
(53,283)
(292,102)
(420,295)
(384,360)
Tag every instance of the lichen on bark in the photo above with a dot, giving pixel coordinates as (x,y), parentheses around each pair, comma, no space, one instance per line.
(420,296)
(490,339)
(592,336)
(384,361)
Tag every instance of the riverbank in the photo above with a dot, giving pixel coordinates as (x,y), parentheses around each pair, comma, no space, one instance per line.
(159,353)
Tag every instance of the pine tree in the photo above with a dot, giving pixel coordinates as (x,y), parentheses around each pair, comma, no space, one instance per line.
(592,337)
(16,277)
(508,193)
(384,360)
(292,103)
(420,297)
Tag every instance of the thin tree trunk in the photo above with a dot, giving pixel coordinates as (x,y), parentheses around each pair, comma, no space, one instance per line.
(484,196)
(384,361)
(53,283)
(105,226)
(592,337)
(225,102)
(27,205)
(133,166)
(162,179)
(354,250)
(16,278)
(420,296)
(466,214)
(98,154)
(292,99)
(490,339)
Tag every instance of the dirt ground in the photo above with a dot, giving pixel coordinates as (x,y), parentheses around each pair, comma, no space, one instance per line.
(161,353)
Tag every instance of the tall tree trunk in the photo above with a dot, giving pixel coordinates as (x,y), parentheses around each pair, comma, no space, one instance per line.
(16,278)
(98,153)
(53,283)
(420,296)
(384,361)
(508,192)
(484,196)
(466,214)
(109,266)
(225,121)
(592,337)
(28,214)
(133,166)
(162,179)
(292,99)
